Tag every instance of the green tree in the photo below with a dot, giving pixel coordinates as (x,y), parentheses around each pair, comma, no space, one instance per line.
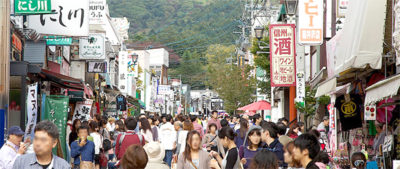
(234,84)
(262,63)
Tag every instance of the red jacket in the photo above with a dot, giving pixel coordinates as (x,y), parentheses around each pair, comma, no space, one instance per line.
(131,138)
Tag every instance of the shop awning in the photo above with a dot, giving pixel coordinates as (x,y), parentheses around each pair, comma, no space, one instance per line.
(64,81)
(363,33)
(326,87)
(382,89)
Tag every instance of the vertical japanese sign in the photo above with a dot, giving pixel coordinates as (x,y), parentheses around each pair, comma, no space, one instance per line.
(32,107)
(70,18)
(32,6)
(123,64)
(300,87)
(311,25)
(97,11)
(282,51)
(342,6)
(56,110)
(82,110)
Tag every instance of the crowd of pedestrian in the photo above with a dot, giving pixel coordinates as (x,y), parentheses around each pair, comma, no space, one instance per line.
(180,142)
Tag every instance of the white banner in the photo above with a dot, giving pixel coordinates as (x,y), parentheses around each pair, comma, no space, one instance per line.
(311,22)
(32,105)
(164,89)
(97,10)
(92,47)
(300,87)
(32,108)
(71,18)
(82,110)
(123,73)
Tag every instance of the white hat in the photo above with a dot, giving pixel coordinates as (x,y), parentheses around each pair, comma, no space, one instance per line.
(155,151)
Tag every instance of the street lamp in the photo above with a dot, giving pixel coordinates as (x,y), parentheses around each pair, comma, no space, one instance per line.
(291,7)
(259,31)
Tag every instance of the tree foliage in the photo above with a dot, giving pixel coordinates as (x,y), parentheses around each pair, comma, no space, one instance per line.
(233,84)
(262,63)
(311,103)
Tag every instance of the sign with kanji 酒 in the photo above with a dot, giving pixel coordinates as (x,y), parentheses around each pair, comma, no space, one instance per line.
(282,55)
(311,22)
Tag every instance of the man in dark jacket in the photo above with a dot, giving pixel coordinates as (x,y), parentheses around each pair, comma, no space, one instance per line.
(271,142)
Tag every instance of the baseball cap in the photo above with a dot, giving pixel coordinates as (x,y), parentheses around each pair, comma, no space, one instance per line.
(15,130)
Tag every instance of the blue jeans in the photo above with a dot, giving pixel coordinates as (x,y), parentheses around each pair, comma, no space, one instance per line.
(168,157)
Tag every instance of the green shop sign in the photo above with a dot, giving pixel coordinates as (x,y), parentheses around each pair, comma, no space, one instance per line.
(32,6)
(55,40)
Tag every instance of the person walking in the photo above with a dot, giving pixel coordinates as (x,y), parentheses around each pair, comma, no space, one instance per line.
(13,148)
(289,156)
(196,125)
(306,148)
(210,139)
(130,137)
(83,150)
(111,124)
(270,137)
(293,131)
(46,138)
(145,129)
(135,157)
(73,136)
(231,159)
(155,153)
(241,132)
(253,140)
(264,159)
(167,137)
(214,119)
(193,157)
(98,142)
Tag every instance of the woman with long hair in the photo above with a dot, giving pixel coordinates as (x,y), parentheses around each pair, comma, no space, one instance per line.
(293,131)
(288,156)
(231,159)
(119,128)
(98,142)
(74,132)
(193,157)
(253,138)
(145,129)
(241,132)
(154,127)
(264,159)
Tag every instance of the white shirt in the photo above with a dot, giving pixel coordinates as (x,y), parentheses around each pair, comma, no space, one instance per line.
(97,142)
(8,155)
(148,135)
(167,135)
(110,127)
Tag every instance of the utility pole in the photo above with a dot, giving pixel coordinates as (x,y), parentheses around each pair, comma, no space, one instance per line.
(180,91)
(4,54)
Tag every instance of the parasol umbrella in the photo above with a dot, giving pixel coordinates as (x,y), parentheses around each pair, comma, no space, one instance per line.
(250,113)
(260,105)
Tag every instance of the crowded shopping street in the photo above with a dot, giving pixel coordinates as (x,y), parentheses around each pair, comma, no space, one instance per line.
(199,84)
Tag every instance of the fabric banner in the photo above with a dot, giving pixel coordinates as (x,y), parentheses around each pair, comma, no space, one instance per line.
(82,110)
(56,110)
(32,105)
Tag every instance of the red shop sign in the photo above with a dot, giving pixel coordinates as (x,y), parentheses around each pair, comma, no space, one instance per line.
(282,55)
(16,42)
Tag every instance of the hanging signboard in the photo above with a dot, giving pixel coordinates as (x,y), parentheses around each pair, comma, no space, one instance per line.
(32,6)
(300,87)
(164,89)
(132,66)
(97,11)
(97,67)
(282,51)
(342,6)
(70,18)
(123,57)
(58,41)
(55,109)
(311,22)
(370,112)
(32,108)
(92,47)
(82,110)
